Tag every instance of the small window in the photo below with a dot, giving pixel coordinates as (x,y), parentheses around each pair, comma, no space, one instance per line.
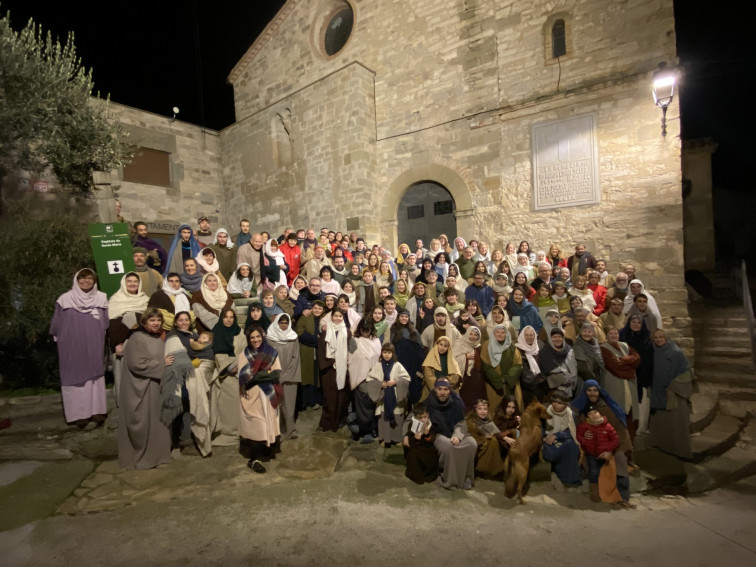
(149,167)
(558,39)
(415,212)
(443,207)
(338,31)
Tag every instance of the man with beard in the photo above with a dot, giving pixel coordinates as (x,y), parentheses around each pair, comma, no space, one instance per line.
(456,448)
(151,279)
(420,250)
(156,254)
(599,399)
(339,270)
(312,293)
(184,247)
(252,254)
(410,264)
(318,261)
(224,252)
(620,288)
(244,236)
(615,317)
(441,327)
(579,262)
(308,246)
(204,234)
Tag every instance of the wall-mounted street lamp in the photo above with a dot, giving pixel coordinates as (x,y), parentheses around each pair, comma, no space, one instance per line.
(175,112)
(663,89)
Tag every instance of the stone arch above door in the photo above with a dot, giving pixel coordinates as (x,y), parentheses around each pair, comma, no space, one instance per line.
(440,174)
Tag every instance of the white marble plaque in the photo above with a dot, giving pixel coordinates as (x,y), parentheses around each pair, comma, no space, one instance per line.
(565,163)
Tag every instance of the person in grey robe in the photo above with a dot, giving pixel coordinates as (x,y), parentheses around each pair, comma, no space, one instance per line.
(144,441)
(671,390)
(456,448)
(283,338)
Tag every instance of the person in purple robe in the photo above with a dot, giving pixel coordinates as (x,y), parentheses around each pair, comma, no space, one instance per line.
(78,327)
(156,254)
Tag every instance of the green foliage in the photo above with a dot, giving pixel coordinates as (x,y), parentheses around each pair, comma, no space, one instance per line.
(37,268)
(47,116)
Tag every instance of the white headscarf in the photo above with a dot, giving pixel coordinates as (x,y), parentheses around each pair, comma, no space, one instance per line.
(87,302)
(561,421)
(229,244)
(531,351)
(277,335)
(651,301)
(214,299)
(236,285)
(210,268)
(496,349)
(336,349)
(124,302)
(181,300)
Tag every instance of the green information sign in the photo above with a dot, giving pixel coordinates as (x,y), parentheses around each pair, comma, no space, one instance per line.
(113,254)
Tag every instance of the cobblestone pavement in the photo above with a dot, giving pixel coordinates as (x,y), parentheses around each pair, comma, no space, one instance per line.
(326,500)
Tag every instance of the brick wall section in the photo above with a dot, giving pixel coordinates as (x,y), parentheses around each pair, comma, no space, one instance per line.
(195,170)
(332,174)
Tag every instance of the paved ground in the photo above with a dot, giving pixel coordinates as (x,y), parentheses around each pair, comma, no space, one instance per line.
(327,501)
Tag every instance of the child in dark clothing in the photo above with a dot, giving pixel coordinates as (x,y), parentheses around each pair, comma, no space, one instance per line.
(598,440)
(419,450)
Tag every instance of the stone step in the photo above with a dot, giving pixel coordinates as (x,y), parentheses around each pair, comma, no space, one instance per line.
(720,436)
(704,332)
(738,340)
(718,320)
(727,380)
(742,365)
(737,463)
(731,351)
(704,410)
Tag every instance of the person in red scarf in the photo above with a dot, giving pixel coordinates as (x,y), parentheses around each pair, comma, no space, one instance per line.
(261,394)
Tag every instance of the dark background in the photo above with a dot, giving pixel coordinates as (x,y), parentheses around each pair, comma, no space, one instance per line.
(159,54)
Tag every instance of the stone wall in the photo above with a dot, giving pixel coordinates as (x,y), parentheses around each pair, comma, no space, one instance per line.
(451,90)
(331,174)
(195,164)
(698,206)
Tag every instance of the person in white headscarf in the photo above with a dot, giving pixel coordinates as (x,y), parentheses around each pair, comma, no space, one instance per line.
(636,288)
(275,269)
(170,299)
(124,311)
(78,327)
(224,251)
(332,357)
(283,338)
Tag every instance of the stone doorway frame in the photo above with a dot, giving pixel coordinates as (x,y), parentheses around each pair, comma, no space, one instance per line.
(444,176)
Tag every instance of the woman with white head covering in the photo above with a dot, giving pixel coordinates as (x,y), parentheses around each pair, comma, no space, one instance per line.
(533,383)
(637,288)
(124,310)
(275,269)
(332,357)
(283,338)
(170,299)
(78,327)
(209,302)
(502,366)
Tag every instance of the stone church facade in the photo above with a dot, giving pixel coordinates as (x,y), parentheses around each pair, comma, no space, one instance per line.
(536,117)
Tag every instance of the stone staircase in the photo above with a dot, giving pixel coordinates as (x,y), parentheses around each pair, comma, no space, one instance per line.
(723,428)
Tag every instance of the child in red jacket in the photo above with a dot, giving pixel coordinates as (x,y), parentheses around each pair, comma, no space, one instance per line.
(599,440)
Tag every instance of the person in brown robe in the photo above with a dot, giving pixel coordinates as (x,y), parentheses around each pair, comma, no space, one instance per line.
(144,441)
(488,461)
(332,361)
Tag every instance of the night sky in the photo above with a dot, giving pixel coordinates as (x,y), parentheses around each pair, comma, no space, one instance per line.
(164,53)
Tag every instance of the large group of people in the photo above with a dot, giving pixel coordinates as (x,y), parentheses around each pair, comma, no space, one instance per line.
(224,339)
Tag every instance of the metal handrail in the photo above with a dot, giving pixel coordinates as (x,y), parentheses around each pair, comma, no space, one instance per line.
(743,292)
